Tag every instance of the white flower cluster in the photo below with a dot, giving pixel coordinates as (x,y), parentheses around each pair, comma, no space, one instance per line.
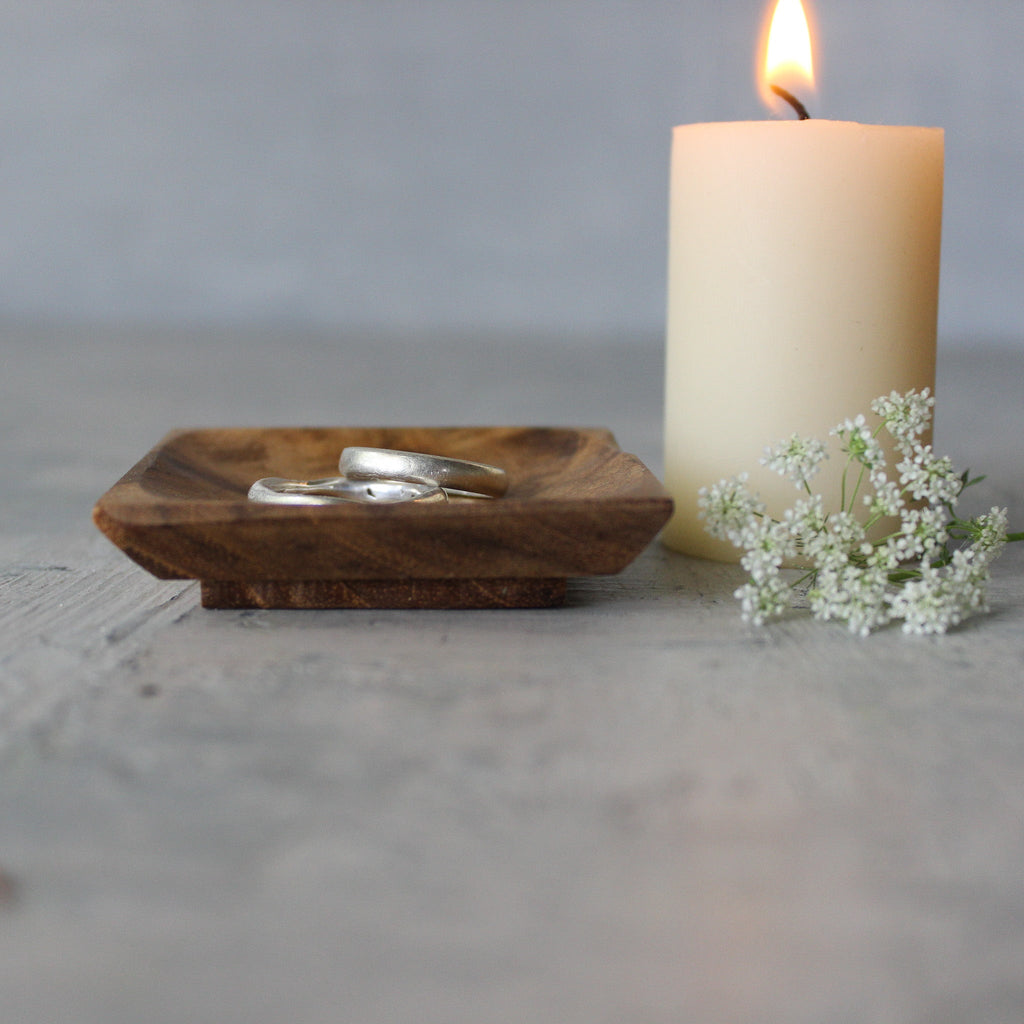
(916,573)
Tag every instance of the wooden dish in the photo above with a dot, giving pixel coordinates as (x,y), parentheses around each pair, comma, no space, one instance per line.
(576,506)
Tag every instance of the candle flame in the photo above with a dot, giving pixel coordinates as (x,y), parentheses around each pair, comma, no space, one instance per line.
(788,63)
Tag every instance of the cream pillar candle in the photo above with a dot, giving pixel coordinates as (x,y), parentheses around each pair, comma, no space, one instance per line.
(802,283)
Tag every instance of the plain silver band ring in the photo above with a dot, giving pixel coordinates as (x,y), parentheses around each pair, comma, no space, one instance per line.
(336,490)
(451,474)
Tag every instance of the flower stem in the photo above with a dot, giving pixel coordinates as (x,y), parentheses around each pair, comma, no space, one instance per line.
(860,480)
(842,484)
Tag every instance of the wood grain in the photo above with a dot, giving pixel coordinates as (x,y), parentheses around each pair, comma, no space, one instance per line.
(450,594)
(576,506)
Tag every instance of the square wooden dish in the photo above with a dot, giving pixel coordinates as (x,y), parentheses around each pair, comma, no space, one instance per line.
(577,505)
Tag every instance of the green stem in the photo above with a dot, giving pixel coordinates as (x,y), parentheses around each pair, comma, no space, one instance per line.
(860,480)
(842,484)
(809,575)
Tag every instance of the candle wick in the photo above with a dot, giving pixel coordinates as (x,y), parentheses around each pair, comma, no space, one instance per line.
(792,101)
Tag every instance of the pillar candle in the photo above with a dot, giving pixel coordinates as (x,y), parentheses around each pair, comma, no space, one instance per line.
(802,283)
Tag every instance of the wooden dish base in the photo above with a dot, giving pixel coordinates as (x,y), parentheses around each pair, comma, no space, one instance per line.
(424,593)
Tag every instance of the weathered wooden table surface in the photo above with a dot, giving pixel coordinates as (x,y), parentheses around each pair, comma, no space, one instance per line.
(632,808)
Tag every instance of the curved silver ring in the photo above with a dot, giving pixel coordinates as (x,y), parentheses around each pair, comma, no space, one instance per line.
(476,478)
(335,490)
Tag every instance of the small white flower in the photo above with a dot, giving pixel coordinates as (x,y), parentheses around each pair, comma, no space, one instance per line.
(969,574)
(764,600)
(806,518)
(929,477)
(857,441)
(937,600)
(847,529)
(768,544)
(832,546)
(728,507)
(989,534)
(884,555)
(887,499)
(799,458)
(853,595)
(907,416)
(922,534)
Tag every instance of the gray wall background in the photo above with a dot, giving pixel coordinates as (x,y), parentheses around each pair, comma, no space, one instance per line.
(462,164)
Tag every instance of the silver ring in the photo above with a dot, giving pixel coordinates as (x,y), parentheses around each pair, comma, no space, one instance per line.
(335,490)
(475,478)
